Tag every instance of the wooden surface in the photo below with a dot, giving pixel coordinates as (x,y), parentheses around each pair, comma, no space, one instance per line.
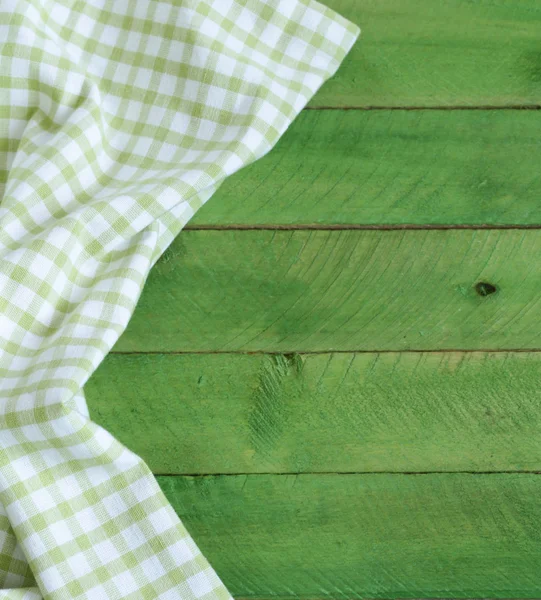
(335,370)
(376,536)
(390,167)
(439,53)
(322,413)
(300,291)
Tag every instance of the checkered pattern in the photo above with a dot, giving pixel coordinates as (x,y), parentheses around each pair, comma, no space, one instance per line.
(118,121)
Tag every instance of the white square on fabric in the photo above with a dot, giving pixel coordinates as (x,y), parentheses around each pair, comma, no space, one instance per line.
(216,97)
(16,128)
(87,520)
(311,19)
(19,97)
(81,451)
(75,52)
(142,146)
(32,14)
(20,67)
(133,536)
(8,440)
(115,505)
(86,177)
(60,532)
(109,35)
(103,439)
(61,429)
(237,45)
(296,49)
(24,466)
(334,32)
(168,84)
(79,564)
(206,129)
(176,50)
(286,8)
(167,152)
(182,552)
(107,551)
(153,45)
(191,90)
(98,592)
(161,520)
(271,35)
(232,163)
(133,42)
(53,457)
(25,35)
(97,475)
(35,546)
(125,583)
(52,579)
(225,65)
(71,151)
(32,433)
(85,25)
(152,568)
(200,583)
(141,490)
(180,123)
(42,499)
(162,12)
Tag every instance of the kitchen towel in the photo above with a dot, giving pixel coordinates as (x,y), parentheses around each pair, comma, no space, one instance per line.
(118,120)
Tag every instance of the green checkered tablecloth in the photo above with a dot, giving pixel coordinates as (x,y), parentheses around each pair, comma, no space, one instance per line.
(118,121)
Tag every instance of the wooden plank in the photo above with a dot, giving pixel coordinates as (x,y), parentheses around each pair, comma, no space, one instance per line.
(447,53)
(391,167)
(299,291)
(227,413)
(367,536)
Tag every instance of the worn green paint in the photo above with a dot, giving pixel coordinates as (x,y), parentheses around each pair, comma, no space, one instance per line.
(317,535)
(390,167)
(367,536)
(444,53)
(227,413)
(293,291)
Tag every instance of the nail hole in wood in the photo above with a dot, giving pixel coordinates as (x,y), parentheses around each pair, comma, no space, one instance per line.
(485,289)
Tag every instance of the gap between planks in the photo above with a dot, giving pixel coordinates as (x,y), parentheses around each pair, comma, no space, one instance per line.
(308,352)
(407,473)
(439,107)
(356,227)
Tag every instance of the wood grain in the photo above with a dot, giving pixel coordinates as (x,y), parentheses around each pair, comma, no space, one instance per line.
(227,413)
(367,536)
(446,53)
(293,291)
(390,167)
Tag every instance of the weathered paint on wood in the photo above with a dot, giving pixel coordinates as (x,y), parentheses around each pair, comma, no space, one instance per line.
(390,167)
(452,535)
(445,53)
(294,291)
(227,413)
(367,536)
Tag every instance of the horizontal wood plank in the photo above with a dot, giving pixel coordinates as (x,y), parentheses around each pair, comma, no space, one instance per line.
(445,53)
(367,536)
(390,167)
(227,413)
(293,291)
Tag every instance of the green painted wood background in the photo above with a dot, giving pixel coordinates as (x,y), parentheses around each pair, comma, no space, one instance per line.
(333,405)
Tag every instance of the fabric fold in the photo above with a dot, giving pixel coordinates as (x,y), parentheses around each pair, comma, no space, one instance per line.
(118,121)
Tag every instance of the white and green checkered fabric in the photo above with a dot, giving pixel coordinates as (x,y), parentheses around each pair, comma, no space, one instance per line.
(118,120)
